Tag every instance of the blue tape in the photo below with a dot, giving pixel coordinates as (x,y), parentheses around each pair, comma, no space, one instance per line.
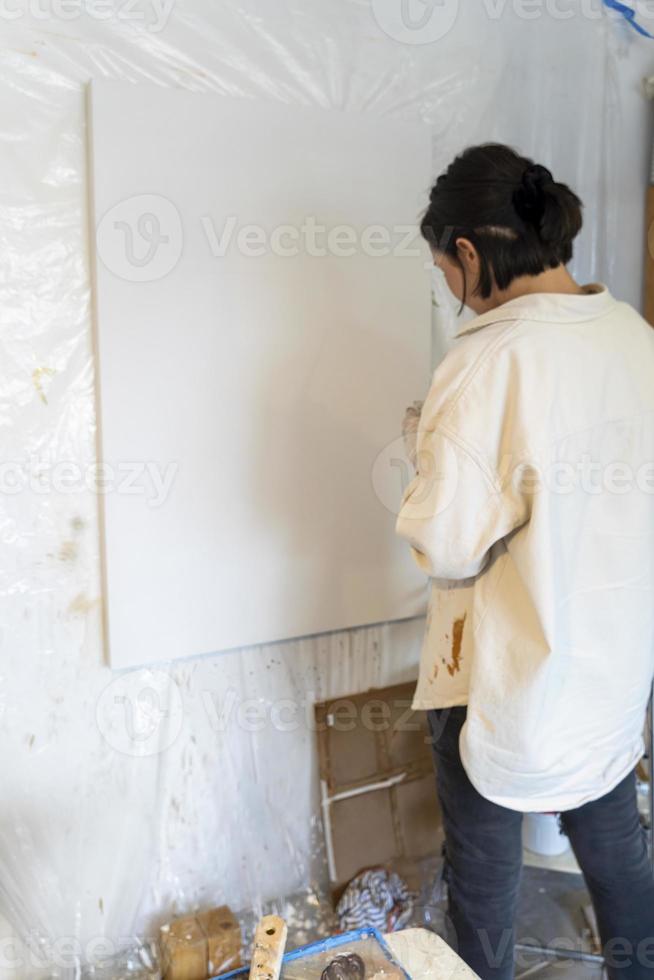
(629,15)
(325,945)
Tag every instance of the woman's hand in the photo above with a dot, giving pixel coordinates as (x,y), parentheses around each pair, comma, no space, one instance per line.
(410,430)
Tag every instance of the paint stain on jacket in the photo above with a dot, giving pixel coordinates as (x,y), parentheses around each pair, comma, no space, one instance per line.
(457,638)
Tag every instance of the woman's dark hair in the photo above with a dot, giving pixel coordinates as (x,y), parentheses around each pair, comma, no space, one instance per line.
(512,210)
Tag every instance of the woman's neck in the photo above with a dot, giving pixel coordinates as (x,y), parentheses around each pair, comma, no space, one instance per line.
(556,280)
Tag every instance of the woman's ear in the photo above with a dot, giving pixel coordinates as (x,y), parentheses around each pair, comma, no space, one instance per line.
(470,265)
(467,254)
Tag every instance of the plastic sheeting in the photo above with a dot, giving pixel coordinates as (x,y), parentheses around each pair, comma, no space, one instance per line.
(127,798)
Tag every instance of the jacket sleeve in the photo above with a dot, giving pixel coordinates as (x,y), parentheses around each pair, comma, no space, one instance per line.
(454,510)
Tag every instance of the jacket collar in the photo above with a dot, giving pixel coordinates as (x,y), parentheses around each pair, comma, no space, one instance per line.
(549,307)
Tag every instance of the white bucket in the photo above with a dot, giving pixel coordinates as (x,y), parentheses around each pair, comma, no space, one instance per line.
(541,834)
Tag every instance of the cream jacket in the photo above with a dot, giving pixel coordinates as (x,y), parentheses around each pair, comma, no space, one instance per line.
(533,511)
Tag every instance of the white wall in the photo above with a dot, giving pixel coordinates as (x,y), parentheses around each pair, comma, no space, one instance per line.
(93,839)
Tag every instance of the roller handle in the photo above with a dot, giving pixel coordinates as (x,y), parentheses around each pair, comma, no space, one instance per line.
(268,948)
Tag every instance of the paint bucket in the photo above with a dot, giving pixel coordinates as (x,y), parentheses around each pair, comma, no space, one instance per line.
(541,834)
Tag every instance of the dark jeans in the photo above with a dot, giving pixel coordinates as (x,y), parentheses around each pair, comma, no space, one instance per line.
(483,863)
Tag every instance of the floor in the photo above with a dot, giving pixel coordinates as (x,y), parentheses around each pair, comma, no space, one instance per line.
(551,914)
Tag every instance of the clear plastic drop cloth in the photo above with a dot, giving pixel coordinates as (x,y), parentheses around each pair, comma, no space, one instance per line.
(129,798)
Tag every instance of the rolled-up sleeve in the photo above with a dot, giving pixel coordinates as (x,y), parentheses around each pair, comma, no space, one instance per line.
(454,510)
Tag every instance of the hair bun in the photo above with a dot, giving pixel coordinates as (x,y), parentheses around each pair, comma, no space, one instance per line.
(529,196)
(536,176)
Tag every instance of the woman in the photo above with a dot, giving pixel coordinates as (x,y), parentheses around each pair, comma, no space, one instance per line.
(532,509)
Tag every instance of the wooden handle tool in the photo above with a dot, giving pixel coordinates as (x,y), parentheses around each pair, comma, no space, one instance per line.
(268,948)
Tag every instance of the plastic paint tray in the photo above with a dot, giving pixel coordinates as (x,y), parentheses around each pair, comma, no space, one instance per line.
(308,962)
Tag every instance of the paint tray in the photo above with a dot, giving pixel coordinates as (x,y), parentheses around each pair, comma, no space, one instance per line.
(308,962)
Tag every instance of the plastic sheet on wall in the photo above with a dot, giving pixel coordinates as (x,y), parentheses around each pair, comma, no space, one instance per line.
(127,798)
(630,15)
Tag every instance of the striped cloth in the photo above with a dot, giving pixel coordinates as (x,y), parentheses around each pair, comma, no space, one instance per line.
(376,898)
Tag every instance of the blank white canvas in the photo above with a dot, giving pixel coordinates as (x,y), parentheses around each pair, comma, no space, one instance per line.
(266,385)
